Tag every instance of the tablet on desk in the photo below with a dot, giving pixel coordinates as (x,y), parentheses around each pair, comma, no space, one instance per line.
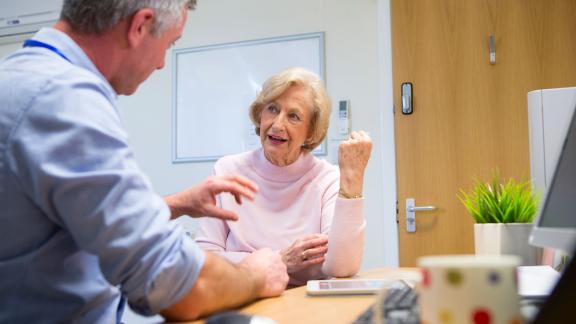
(351,286)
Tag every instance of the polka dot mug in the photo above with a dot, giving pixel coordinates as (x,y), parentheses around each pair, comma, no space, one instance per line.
(462,289)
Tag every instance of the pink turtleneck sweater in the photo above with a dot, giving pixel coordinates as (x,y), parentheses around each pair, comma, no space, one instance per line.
(293,201)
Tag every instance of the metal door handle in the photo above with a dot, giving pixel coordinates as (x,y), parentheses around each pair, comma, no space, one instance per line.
(411,210)
(421,208)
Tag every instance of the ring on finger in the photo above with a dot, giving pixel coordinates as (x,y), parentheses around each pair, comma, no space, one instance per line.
(303,256)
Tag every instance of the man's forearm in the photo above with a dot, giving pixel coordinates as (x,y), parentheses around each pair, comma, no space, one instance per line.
(219,286)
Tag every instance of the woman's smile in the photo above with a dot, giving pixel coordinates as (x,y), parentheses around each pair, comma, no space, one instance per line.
(277,140)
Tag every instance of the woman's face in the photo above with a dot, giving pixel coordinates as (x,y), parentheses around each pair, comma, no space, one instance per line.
(284,125)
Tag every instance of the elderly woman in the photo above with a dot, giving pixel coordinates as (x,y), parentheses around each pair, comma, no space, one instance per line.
(308,210)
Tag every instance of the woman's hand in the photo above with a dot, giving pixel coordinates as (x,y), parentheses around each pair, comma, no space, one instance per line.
(353,155)
(305,252)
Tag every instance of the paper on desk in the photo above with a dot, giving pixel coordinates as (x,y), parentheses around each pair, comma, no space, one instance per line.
(536,281)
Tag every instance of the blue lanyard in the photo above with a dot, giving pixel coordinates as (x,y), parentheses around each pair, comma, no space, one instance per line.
(35,43)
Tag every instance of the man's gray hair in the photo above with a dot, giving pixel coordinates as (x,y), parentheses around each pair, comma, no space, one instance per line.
(99,16)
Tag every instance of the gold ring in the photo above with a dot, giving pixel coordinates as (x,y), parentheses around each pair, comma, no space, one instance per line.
(303,256)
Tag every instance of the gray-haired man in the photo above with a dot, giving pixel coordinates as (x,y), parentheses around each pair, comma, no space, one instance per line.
(81,228)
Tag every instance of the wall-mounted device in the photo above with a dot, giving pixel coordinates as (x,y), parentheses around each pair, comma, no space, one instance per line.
(406,95)
(344,117)
(20,19)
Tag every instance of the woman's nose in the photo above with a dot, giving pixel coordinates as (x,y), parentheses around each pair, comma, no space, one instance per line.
(279,122)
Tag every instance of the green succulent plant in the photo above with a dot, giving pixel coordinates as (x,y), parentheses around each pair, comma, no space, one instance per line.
(497,202)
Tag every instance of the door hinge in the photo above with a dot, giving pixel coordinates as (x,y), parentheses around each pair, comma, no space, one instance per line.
(397,213)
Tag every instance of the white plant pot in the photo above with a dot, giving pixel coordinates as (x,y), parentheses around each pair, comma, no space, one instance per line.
(512,238)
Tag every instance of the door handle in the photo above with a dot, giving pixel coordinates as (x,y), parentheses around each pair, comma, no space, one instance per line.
(411,210)
(422,208)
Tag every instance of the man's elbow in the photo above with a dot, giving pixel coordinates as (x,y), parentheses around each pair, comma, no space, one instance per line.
(188,308)
(178,315)
(182,312)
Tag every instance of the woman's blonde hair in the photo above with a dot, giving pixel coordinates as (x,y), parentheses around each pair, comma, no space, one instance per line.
(276,85)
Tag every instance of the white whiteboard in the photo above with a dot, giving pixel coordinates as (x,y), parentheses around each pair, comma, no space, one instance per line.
(215,85)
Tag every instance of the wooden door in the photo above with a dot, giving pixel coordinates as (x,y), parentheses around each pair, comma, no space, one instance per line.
(469,116)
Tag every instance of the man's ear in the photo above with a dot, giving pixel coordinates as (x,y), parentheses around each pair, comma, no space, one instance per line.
(140,26)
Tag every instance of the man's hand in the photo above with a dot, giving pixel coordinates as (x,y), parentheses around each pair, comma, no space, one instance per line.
(269,266)
(200,200)
(305,252)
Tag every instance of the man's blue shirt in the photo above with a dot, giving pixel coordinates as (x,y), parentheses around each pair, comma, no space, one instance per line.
(80,225)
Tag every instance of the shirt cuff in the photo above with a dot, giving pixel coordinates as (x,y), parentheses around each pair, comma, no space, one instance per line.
(349,211)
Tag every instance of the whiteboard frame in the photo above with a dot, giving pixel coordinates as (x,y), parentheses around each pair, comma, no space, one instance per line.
(179,158)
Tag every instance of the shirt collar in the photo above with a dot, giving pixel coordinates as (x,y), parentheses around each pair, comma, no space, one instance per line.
(71,50)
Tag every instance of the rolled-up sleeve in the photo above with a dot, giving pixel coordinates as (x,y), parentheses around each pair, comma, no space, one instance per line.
(74,162)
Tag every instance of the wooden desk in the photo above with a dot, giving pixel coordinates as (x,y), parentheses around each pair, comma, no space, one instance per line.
(294,306)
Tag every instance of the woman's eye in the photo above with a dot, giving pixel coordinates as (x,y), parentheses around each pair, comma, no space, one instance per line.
(272,109)
(294,117)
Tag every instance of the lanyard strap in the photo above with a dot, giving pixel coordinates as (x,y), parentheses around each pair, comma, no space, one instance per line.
(35,43)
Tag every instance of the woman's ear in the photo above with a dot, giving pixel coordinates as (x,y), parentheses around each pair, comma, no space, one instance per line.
(140,26)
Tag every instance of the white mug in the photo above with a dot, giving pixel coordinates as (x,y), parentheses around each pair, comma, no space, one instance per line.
(462,289)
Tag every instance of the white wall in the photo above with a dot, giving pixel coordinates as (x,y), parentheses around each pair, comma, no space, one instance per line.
(357,53)
(358,68)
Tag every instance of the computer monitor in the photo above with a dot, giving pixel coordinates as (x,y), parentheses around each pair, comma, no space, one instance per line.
(555,225)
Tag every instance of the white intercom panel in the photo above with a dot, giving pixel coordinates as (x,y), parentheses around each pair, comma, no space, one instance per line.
(344,117)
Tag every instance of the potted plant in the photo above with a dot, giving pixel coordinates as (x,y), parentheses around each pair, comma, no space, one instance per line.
(503,213)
